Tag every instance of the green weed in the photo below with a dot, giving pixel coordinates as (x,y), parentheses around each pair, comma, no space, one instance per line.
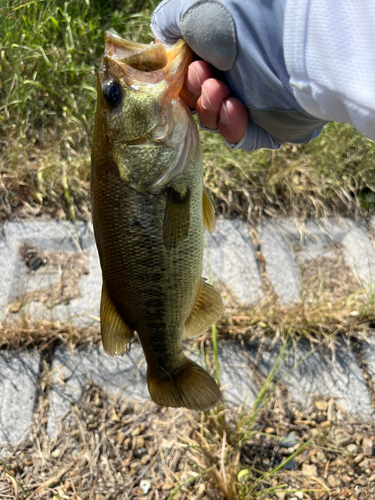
(49,51)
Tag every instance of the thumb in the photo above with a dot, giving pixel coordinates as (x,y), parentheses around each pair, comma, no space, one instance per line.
(165,21)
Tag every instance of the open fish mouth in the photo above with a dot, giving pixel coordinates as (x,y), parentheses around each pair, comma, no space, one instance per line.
(136,55)
(172,59)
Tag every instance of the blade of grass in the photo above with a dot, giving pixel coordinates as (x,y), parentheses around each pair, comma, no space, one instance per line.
(19,483)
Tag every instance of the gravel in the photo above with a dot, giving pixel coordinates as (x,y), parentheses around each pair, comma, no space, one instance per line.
(108,448)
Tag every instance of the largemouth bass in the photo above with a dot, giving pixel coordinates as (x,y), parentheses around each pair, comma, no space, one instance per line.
(149,212)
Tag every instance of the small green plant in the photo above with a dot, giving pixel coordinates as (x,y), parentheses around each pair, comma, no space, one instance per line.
(216,446)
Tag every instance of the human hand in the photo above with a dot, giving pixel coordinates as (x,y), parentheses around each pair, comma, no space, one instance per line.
(245,44)
(215,107)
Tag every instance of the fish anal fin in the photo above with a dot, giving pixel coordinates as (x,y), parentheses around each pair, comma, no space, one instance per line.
(176,217)
(116,334)
(207,309)
(208,212)
(189,387)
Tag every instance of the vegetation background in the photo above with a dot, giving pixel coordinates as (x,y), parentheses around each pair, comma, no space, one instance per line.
(49,51)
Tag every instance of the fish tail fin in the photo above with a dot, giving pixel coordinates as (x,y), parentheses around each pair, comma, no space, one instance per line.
(189,387)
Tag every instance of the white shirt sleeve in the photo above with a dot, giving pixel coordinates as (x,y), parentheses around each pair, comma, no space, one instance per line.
(329,49)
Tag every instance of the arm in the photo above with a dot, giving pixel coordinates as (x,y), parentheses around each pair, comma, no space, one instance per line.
(329,50)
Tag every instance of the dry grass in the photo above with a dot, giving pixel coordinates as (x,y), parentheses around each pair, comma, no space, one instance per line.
(50,51)
(320,179)
(44,334)
(350,315)
(115,449)
(333,175)
(322,319)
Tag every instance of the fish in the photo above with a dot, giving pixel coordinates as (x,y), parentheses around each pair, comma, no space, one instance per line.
(149,212)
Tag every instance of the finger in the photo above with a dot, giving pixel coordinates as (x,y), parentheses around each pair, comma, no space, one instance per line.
(197,73)
(233,120)
(208,105)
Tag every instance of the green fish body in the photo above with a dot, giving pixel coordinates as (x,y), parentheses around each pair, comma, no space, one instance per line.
(149,211)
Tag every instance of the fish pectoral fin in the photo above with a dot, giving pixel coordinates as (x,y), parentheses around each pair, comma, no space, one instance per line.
(117,336)
(176,217)
(208,212)
(207,309)
(189,387)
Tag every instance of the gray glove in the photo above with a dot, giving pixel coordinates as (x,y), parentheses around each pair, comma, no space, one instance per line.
(244,40)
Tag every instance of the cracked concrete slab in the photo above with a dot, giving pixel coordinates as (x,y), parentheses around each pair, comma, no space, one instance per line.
(51,236)
(7,266)
(281,266)
(359,254)
(287,244)
(237,381)
(125,377)
(71,370)
(229,261)
(367,356)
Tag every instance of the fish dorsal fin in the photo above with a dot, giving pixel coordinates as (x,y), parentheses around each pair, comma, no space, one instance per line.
(116,335)
(208,212)
(207,309)
(176,217)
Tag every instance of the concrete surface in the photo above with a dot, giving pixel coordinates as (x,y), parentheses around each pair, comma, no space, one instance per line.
(230,264)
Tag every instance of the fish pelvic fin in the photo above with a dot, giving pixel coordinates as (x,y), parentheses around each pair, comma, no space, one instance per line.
(207,309)
(190,387)
(117,336)
(208,212)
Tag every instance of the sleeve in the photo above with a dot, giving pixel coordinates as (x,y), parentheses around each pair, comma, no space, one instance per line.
(329,50)
(254,138)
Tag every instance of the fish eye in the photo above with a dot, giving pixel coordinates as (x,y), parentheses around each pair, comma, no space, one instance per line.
(112,93)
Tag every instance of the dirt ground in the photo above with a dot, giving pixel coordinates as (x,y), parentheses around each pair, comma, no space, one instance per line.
(109,449)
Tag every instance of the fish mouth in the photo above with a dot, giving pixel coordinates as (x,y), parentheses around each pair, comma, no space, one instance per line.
(136,55)
(148,63)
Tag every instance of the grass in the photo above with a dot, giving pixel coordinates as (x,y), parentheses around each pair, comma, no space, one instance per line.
(332,175)
(49,51)
(107,446)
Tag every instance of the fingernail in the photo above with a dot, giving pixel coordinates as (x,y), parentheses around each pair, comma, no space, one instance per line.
(193,82)
(205,101)
(224,114)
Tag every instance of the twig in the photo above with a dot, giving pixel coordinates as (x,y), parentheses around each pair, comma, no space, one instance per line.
(53,481)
